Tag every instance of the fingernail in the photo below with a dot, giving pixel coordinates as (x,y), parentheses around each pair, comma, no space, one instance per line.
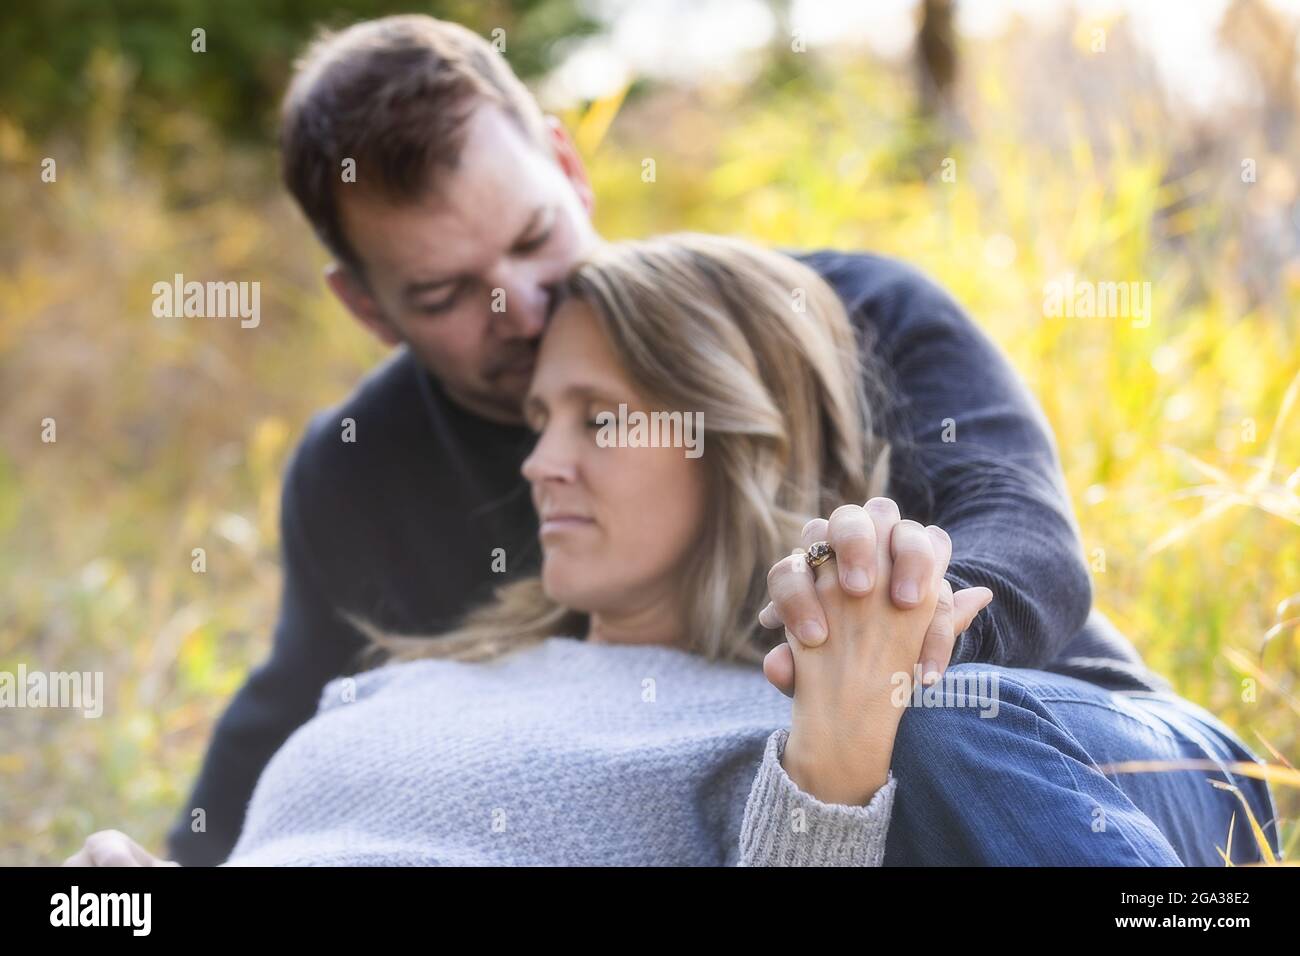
(811,632)
(909,592)
(857,580)
(931,675)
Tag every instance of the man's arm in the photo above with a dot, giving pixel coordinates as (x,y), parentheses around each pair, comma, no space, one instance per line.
(976,456)
(312,644)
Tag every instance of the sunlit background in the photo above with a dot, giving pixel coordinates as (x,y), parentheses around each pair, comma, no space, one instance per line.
(1120,142)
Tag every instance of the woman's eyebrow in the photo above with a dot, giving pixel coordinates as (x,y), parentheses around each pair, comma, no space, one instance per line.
(590,393)
(580,392)
(533,403)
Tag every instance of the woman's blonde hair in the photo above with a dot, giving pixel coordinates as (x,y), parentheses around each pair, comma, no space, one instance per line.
(762,346)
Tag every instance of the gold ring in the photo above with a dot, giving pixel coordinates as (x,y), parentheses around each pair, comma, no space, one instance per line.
(819,552)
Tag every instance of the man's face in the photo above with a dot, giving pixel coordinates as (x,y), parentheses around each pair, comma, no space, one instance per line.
(463,274)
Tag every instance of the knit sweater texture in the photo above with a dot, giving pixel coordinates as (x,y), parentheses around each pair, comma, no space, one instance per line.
(564,753)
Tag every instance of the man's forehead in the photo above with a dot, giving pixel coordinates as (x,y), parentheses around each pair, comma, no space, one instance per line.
(440,231)
(469,214)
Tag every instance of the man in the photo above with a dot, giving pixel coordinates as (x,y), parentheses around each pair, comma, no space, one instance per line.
(405,506)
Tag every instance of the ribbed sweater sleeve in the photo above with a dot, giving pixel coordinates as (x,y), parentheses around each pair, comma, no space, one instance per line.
(784,826)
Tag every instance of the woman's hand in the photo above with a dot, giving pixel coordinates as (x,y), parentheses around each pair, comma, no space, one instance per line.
(114,848)
(853,687)
(794,604)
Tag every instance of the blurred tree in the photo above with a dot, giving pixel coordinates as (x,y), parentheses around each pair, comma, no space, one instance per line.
(936,55)
(250,46)
(1264,42)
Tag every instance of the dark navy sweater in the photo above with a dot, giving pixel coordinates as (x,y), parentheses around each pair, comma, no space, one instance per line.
(402,524)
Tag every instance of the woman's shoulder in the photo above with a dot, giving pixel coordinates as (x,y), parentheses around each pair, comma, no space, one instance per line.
(417,674)
(554,661)
(350,688)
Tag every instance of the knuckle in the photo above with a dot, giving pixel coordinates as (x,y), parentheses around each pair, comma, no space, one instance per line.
(779,578)
(911,550)
(854,534)
(844,511)
(909,538)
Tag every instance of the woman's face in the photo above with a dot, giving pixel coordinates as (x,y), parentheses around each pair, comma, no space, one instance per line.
(616,522)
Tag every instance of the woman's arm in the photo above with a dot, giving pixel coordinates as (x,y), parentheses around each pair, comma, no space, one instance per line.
(824,791)
(785,826)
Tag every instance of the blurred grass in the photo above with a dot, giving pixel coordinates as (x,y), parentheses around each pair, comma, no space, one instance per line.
(172,433)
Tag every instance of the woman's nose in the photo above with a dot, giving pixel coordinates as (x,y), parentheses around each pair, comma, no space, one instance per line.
(551,459)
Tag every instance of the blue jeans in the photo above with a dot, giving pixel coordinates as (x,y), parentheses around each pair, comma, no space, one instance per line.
(1020,785)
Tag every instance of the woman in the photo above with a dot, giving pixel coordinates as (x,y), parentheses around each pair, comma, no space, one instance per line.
(614,709)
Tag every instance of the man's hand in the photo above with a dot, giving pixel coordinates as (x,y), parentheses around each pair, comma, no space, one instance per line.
(114,848)
(847,706)
(915,551)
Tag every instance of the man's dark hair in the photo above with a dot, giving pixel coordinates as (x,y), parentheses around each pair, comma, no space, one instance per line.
(392,95)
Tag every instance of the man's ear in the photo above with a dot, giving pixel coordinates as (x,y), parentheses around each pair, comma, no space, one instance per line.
(566,154)
(345,284)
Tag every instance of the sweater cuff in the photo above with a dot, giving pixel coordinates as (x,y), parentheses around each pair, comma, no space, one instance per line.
(819,834)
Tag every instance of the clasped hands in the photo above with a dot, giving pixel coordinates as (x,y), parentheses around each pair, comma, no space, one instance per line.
(854,626)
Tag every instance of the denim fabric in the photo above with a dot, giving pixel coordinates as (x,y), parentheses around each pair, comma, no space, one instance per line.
(1005,772)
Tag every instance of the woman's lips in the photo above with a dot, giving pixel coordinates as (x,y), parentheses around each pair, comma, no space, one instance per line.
(564,524)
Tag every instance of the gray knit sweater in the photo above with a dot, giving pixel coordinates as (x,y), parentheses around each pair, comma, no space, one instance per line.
(564,753)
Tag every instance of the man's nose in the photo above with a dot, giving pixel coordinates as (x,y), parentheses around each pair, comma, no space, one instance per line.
(520,304)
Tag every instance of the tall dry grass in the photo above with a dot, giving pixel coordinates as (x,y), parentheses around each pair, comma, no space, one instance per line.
(1179,440)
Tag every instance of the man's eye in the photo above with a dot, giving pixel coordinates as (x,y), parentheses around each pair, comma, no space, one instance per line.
(532,245)
(437,308)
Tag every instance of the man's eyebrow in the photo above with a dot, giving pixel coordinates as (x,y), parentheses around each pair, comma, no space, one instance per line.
(418,287)
(531,224)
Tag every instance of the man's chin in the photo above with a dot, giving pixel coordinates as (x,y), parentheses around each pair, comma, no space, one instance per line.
(501,401)
(513,382)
